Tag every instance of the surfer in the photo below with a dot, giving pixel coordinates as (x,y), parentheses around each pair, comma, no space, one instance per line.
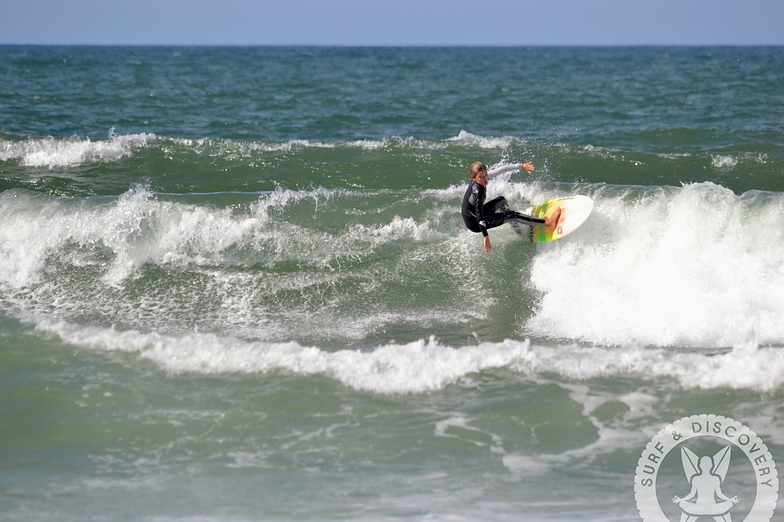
(480,216)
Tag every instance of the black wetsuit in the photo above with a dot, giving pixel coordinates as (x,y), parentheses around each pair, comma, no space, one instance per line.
(480,216)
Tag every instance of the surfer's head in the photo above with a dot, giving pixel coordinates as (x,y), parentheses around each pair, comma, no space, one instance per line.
(475,168)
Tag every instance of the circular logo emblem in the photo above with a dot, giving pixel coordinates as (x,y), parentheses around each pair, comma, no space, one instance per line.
(706,468)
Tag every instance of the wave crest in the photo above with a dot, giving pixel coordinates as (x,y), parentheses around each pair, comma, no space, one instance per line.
(428,365)
(71,152)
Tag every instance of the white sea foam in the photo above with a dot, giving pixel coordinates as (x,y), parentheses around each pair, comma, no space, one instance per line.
(476,436)
(483,142)
(429,365)
(137,229)
(696,266)
(74,151)
(232,149)
(721,161)
(399,228)
(69,152)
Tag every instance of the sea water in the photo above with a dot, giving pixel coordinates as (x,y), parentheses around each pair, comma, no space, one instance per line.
(235,284)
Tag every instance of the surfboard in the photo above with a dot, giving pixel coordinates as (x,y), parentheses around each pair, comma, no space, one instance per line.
(574,211)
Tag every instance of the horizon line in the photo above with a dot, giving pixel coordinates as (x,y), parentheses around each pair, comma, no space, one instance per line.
(390,46)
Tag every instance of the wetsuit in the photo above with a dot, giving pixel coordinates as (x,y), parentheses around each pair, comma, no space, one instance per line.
(480,216)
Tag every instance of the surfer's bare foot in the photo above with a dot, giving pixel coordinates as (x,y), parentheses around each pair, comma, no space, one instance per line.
(552,220)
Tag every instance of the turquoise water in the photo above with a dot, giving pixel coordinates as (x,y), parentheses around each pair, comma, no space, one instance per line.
(235,284)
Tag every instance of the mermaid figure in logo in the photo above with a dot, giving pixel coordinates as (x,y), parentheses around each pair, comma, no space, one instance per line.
(706,498)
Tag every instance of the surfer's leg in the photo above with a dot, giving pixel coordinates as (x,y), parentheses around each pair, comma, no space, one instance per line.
(494,205)
(496,212)
(554,219)
(495,220)
(511,215)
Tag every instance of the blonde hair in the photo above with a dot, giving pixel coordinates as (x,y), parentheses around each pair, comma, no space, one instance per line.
(475,168)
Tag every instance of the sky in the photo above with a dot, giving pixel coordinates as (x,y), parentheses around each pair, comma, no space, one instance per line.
(392,22)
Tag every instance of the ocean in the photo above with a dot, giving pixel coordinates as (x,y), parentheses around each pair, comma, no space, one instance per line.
(235,284)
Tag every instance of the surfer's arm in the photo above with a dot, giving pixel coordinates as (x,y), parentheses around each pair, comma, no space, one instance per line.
(477,201)
(480,218)
(506,169)
(483,228)
(486,244)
